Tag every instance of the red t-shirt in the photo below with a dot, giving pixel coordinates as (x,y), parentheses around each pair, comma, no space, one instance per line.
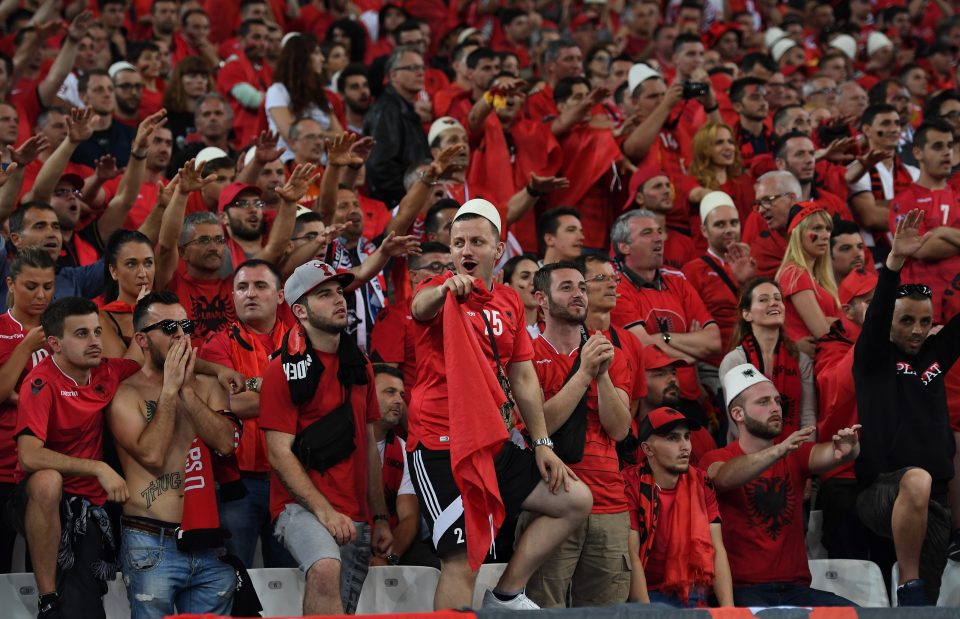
(145,202)
(209,302)
(670,306)
(940,207)
(11,334)
(766,247)
(429,421)
(344,484)
(599,468)
(794,279)
(68,417)
(392,341)
(763,520)
(720,300)
(635,364)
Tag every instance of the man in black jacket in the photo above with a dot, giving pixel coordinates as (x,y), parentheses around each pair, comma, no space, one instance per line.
(907,451)
(396,127)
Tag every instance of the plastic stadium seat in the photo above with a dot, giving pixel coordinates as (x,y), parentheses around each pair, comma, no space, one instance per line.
(950,587)
(115,602)
(487,578)
(18,596)
(894,579)
(398,589)
(858,581)
(280,590)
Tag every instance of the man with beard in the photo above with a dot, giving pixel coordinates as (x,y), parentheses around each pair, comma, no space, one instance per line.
(323,504)
(244,79)
(401,499)
(795,153)
(662,490)
(128,89)
(161,418)
(354,87)
(749,98)
(63,479)
(583,376)
(760,488)
(109,137)
(241,209)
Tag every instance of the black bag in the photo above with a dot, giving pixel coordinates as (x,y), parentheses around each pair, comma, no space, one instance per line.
(569,438)
(328,440)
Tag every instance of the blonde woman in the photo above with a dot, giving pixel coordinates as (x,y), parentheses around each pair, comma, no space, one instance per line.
(806,276)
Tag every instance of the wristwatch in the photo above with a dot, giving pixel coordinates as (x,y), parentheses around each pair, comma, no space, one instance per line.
(422,175)
(253,384)
(544,442)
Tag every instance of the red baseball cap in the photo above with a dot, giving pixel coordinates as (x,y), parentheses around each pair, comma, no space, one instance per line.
(637,180)
(654,359)
(661,420)
(857,283)
(231,191)
(75,180)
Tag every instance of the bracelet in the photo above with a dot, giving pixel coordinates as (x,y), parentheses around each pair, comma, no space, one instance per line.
(354,166)
(533,193)
(716,106)
(423,177)
(383,517)
(253,384)
(138,157)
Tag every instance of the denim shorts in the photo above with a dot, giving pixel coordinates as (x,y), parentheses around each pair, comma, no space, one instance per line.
(161,578)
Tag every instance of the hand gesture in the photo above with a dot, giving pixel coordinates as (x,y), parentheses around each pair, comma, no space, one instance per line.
(845,441)
(107,168)
(839,150)
(298,183)
(382,541)
(742,264)
(79,26)
(451,160)
(146,129)
(34,340)
(232,381)
(6,175)
(339,151)
(191,177)
(793,442)
(165,194)
(547,184)
(394,245)
(460,285)
(907,238)
(362,148)
(628,125)
(673,96)
(267,149)
(115,486)
(872,158)
(29,150)
(593,354)
(80,124)
(424,109)
(340,527)
(47,29)
(553,470)
(175,365)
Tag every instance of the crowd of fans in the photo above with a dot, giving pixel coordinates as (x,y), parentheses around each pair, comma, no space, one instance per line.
(612,291)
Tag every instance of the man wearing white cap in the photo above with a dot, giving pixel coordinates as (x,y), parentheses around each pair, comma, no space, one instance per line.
(718,274)
(881,55)
(533,479)
(759,484)
(326,484)
(128,89)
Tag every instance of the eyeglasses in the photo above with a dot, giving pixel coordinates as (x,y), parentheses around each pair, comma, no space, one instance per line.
(437,267)
(604,278)
(767,201)
(414,68)
(169,327)
(825,91)
(248,204)
(909,289)
(66,192)
(206,240)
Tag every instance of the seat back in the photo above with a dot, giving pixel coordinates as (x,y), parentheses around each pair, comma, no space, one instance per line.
(950,586)
(18,596)
(398,589)
(487,578)
(860,582)
(280,590)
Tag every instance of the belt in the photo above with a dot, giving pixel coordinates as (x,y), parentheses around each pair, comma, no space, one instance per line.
(154,527)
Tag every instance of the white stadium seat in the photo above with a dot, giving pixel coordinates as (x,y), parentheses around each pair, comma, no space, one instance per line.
(950,587)
(280,590)
(18,596)
(398,589)
(858,581)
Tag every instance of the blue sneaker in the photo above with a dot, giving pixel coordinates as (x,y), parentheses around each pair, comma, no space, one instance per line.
(911,593)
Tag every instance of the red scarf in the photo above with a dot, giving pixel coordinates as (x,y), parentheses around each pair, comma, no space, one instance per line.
(392,475)
(200,525)
(689,530)
(785,376)
(474,400)
(117,307)
(588,154)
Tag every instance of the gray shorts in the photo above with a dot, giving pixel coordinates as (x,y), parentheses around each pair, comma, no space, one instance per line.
(309,541)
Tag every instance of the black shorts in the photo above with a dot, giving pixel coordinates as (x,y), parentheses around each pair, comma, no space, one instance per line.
(440,501)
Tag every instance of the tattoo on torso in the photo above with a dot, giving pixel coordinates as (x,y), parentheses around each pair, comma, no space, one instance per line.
(167,481)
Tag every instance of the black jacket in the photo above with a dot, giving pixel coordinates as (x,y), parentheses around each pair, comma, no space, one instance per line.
(901,398)
(400,142)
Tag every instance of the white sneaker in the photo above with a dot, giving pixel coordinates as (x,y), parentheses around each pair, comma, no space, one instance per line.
(521,602)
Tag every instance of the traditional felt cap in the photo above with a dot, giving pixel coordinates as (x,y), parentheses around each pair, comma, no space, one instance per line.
(781,47)
(117,67)
(209,154)
(741,378)
(483,208)
(639,73)
(772,35)
(846,44)
(714,200)
(877,41)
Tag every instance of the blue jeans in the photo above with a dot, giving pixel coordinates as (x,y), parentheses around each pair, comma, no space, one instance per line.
(159,577)
(248,519)
(656,597)
(786,594)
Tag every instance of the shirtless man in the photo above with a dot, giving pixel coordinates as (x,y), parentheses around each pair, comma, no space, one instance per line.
(154,418)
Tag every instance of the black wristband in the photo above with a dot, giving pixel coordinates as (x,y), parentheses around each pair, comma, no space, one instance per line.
(353,166)
(137,157)
(710,110)
(533,193)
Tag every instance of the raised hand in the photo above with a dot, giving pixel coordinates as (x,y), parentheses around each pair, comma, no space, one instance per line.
(547,184)
(47,29)
(80,124)
(6,175)
(793,442)
(451,160)
(394,245)
(267,149)
(80,24)
(339,151)
(742,264)
(175,366)
(107,168)
(29,150)
(872,158)
(839,150)
(298,183)
(845,441)
(191,177)
(146,129)
(362,148)
(165,194)
(907,238)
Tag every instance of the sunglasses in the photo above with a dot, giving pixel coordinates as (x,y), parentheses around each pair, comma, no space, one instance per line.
(169,326)
(909,289)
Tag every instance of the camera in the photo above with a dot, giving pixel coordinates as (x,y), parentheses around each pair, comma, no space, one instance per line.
(692,90)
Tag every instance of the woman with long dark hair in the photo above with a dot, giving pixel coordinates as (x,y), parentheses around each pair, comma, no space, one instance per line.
(191,80)
(130,267)
(518,274)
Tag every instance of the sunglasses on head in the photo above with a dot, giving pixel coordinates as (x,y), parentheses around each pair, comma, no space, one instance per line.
(909,289)
(169,326)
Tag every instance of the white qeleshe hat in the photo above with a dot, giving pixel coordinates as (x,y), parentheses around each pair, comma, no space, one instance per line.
(772,35)
(639,73)
(846,44)
(781,47)
(741,378)
(117,67)
(877,41)
(714,200)
(483,208)
(209,154)
(442,124)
